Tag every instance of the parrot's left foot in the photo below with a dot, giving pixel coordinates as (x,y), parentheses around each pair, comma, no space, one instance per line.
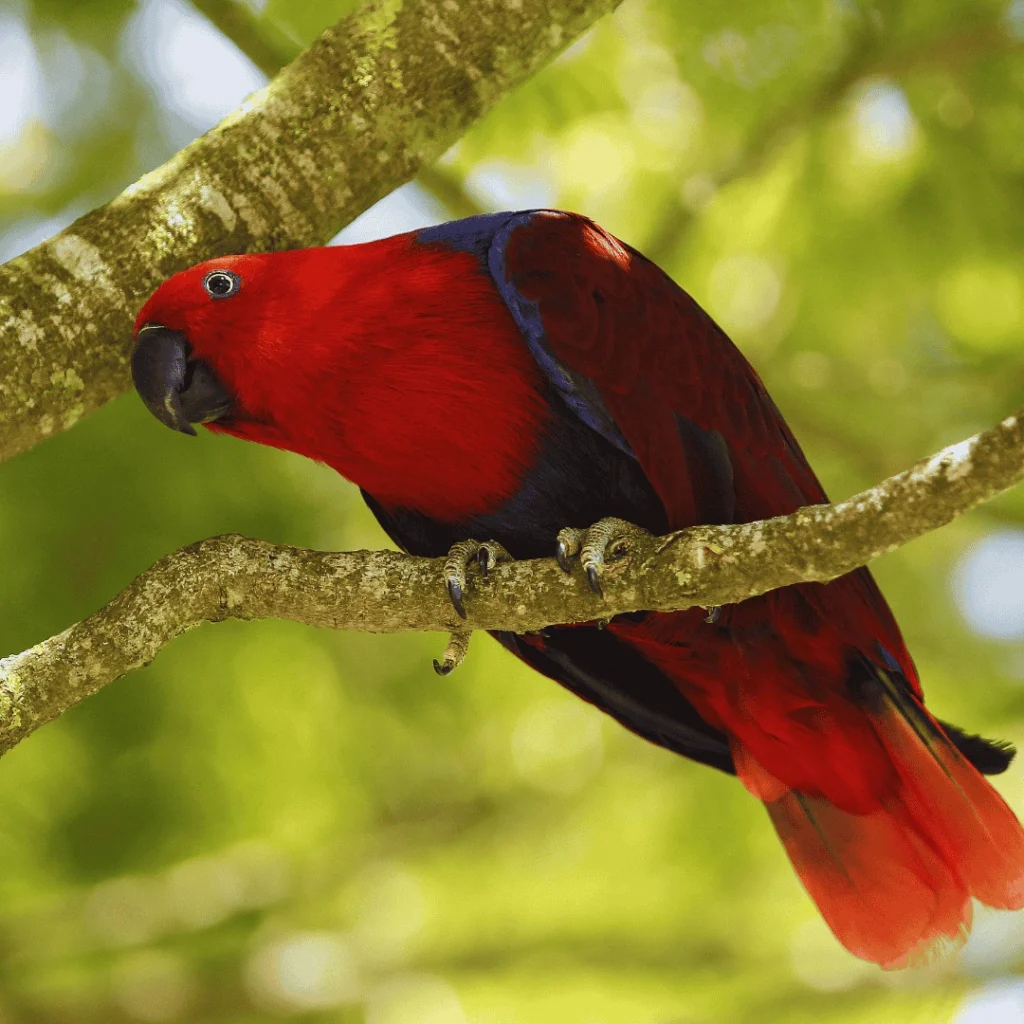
(486,554)
(607,540)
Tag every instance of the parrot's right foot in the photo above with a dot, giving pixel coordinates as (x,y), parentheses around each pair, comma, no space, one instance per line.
(486,554)
(607,540)
(454,653)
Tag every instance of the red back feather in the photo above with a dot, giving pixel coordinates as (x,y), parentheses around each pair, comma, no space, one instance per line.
(890,829)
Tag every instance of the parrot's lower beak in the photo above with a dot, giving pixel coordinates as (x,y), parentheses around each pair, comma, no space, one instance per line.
(177,389)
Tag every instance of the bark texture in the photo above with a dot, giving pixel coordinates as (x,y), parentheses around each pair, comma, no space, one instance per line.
(381,94)
(387,592)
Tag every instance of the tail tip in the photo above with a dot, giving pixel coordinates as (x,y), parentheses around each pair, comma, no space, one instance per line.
(990,757)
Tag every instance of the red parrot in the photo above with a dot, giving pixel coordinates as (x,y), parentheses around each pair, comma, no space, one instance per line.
(506,376)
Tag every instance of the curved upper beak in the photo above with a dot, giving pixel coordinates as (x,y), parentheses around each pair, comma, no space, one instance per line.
(177,389)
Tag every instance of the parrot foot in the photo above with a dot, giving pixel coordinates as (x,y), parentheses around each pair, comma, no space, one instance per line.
(714,614)
(486,554)
(607,540)
(454,653)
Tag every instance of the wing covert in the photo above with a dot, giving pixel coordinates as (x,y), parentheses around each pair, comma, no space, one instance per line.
(639,361)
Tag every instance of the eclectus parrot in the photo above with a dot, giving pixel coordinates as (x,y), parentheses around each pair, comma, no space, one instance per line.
(508,376)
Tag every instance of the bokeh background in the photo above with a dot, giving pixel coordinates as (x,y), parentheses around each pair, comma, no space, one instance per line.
(274,822)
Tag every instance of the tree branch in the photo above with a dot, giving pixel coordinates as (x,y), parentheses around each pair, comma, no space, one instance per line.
(382,94)
(233,577)
(269,50)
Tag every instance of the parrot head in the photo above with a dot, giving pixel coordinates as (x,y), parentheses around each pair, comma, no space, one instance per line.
(354,356)
(214,344)
(177,386)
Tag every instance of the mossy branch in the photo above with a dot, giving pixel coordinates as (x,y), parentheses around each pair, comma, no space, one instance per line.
(380,95)
(233,577)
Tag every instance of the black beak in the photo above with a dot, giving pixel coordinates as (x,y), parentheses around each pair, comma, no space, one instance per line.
(177,390)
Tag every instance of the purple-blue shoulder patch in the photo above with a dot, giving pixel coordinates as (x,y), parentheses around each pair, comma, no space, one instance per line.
(471,234)
(486,236)
(578,391)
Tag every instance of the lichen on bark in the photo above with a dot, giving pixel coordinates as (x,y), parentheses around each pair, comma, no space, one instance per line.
(384,92)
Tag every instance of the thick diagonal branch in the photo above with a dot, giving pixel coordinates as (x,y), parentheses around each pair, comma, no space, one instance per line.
(382,94)
(387,592)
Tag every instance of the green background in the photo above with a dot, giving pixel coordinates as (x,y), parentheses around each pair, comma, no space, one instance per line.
(273,821)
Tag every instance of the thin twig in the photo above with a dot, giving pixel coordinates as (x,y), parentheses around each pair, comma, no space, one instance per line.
(263,43)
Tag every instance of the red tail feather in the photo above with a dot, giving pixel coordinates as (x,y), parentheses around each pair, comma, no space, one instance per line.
(895,884)
(951,803)
(884,893)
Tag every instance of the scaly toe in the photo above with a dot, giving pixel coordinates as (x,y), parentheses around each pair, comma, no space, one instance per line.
(455,572)
(489,555)
(486,554)
(568,546)
(454,653)
(606,541)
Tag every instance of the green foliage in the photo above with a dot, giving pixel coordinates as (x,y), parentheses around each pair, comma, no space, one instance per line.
(272,820)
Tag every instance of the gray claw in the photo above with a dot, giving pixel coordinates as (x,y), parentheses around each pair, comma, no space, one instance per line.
(455,595)
(567,546)
(486,555)
(714,614)
(562,556)
(608,540)
(454,653)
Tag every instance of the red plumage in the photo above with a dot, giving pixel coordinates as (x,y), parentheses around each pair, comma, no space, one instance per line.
(388,380)
(509,375)
(918,830)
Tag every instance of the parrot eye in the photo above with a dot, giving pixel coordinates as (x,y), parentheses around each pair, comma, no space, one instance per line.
(221,284)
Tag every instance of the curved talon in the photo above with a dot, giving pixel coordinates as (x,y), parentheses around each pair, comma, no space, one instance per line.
(454,653)
(486,555)
(455,596)
(562,557)
(568,546)
(606,541)
(489,555)
(714,614)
